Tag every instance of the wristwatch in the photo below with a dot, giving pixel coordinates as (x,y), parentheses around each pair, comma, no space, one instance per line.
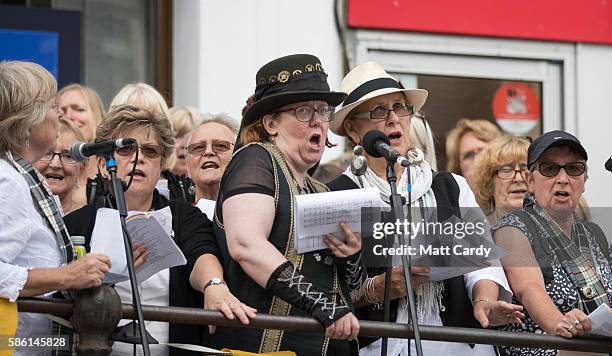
(215,281)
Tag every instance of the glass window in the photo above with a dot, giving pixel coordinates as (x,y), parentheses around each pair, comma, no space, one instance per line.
(116,43)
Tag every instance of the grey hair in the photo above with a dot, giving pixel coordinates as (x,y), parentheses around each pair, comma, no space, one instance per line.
(222,118)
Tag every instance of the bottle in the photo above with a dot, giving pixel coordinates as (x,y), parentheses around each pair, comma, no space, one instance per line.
(78,245)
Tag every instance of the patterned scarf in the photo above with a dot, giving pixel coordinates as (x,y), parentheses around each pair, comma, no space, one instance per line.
(44,203)
(577,259)
(429,294)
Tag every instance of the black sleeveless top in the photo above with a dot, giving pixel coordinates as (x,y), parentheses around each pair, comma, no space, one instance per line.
(260,168)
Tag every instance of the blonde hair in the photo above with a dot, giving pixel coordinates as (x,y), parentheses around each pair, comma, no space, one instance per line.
(91,98)
(146,97)
(421,137)
(183,119)
(142,95)
(25,89)
(483,130)
(498,153)
(67,126)
(126,118)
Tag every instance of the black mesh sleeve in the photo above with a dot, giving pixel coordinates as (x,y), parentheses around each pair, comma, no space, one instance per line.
(251,171)
(290,285)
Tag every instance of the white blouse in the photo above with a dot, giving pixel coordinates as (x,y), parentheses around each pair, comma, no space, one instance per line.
(25,243)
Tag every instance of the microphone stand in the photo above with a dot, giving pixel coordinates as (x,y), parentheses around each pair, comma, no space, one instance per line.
(397,214)
(117,190)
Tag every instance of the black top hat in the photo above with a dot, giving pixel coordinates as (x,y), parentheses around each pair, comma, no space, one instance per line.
(553,139)
(286,80)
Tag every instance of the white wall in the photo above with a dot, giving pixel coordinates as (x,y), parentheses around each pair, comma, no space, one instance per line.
(219,46)
(186,53)
(594,103)
(235,38)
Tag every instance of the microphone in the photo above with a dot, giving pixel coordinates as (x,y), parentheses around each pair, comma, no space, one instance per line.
(377,144)
(609,164)
(81,150)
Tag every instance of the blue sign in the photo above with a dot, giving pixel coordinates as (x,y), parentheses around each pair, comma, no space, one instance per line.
(32,46)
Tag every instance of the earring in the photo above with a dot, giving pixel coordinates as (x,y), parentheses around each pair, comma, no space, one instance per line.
(415,156)
(359,164)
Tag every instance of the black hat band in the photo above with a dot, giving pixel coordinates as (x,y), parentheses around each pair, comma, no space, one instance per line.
(370,86)
(313,81)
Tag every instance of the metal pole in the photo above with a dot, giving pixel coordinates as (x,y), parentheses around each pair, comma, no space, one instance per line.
(367,328)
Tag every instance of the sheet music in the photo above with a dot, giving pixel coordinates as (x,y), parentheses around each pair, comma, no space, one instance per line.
(318,214)
(151,229)
(601,321)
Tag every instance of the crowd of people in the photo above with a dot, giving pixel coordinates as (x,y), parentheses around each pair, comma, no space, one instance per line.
(231,191)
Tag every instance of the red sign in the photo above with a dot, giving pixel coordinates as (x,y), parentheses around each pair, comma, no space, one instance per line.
(516,108)
(565,21)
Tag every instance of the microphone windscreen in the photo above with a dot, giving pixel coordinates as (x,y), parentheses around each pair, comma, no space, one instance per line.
(75,151)
(609,164)
(370,139)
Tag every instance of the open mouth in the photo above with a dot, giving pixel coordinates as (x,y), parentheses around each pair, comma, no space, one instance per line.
(395,135)
(209,165)
(562,194)
(54,177)
(315,139)
(137,173)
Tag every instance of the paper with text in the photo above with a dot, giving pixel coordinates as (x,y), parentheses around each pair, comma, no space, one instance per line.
(319,214)
(151,229)
(601,321)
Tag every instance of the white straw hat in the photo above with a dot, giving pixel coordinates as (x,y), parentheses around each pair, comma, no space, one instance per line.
(368,81)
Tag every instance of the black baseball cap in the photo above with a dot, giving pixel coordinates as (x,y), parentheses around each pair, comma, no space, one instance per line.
(553,139)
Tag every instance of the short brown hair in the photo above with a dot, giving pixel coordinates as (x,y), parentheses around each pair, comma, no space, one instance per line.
(125,118)
(483,130)
(499,152)
(255,132)
(25,89)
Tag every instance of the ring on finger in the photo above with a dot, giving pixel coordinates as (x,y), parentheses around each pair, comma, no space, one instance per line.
(577,322)
(571,327)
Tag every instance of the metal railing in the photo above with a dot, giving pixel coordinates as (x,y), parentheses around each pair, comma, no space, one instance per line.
(265,321)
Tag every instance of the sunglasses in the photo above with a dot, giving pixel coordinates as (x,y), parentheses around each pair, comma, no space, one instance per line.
(199,148)
(550,169)
(149,151)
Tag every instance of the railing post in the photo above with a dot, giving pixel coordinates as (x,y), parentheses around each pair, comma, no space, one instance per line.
(97,312)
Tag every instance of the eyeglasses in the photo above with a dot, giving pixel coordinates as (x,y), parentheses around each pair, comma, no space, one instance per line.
(507,172)
(149,151)
(65,158)
(550,169)
(199,148)
(306,113)
(471,154)
(381,113)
